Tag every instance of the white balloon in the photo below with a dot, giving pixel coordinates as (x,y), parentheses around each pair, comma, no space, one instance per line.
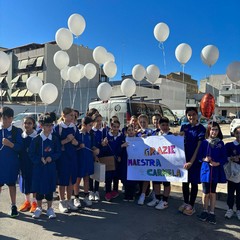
(183,53)
(104,91)
(64,73)
(4,62)
(161,32)
(90,71)
(109,57)
(138,72)
(81,68)
(61,59)
(48,93)
(128,87)
(110,69)
(209,55)
(74,74)
(76,24)
(233,71)
(152,73)
(99,54)
(64,38)
(34,84)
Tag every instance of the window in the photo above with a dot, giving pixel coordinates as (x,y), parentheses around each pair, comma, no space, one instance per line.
(24,77)
(23,64)
(31,61)
(39,62)
(22,93)
(14,94)
(15,80)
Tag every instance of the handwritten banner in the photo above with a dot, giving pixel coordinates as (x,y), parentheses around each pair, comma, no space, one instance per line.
(156,158)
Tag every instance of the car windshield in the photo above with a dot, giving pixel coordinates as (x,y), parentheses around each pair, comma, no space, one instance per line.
(19,117)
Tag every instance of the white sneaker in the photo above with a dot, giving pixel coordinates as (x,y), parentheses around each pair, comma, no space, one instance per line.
(162,205)
(238,214)
(50,213)
(87,201)
(91,196)
(97,196)
(71,206)
(77,202)
(153,203)
(229,213)
(37,212)
(141,199)
(63,206)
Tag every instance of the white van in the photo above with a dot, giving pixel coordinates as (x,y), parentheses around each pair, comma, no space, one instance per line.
(124,108)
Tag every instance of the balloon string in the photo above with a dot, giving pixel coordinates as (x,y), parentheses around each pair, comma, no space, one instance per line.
(60,103)
(45,108)
(1,91)
(80,96)
(78,49)
(35,105)
(74,93)
(69,89)
(87,95)
(161,46)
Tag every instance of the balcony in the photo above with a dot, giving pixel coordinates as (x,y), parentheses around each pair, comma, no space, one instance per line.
(229,104)
(229,92)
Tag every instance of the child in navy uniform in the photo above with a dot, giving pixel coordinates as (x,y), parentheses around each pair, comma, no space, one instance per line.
(233,154)
(25,181)
(44,151)
(10,146)
(212,154)
(194,134)
(86,156)
(111,146)
(129,186)
(99,134)
(69,137)
(157,202)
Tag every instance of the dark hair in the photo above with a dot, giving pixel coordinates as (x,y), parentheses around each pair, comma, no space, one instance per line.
(188,109)
(45,118)
(128,126)
(236,128)
(87,120)
(7,112)
(53,116)
(96,116)
(77,112)
(163,120)
(111,119)
(115,122)
(31,119)
(91,111)
(156,115)
(214,124)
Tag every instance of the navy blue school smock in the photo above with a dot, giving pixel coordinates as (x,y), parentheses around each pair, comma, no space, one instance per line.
(44,175)
(9,157)
(26,165)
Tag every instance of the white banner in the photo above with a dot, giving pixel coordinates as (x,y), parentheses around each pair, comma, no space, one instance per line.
(156,158)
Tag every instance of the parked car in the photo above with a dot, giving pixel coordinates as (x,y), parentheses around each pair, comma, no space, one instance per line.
(235,123)
(18,119)
(183,120)
(222,119)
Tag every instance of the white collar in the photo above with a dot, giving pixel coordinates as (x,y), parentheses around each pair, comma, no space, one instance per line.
(95,129)
(163,134)
(32,135)
(110,134)
(64,125)
(9,128)
(44,137)
(236,143)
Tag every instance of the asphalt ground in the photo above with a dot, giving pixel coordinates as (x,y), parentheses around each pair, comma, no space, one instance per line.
(118,220)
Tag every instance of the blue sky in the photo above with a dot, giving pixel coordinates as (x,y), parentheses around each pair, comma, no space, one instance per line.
(125,28)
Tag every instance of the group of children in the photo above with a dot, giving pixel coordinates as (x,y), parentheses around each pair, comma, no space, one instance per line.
(61,154)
